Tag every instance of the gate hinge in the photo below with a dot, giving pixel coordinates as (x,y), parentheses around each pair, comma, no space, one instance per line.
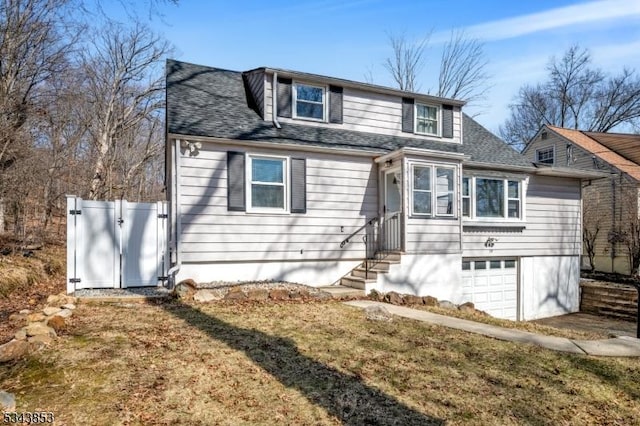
(162,215)
(74,280)
(163,278)
(74,212)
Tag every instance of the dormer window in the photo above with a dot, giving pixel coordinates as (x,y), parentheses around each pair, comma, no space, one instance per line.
(309,102)
(427,119)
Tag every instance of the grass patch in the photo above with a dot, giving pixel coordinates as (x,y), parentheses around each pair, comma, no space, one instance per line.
(308,363)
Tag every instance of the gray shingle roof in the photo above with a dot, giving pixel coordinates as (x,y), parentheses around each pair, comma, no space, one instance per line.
(206,101)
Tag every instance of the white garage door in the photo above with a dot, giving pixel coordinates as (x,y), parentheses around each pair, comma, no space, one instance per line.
(492,286)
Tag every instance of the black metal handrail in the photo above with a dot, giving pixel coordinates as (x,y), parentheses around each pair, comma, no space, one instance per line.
(379,243)
(348,239)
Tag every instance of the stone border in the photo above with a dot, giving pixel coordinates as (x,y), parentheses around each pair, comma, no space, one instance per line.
(247,291)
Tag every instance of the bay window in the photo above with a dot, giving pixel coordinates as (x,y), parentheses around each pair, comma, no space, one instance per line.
(433,190)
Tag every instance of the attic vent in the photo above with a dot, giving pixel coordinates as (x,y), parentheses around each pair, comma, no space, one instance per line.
(544,136)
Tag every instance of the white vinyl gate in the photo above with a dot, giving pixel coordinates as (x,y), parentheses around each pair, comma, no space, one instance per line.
(115,244)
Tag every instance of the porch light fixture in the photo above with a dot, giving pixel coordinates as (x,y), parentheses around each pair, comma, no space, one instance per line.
(388,163)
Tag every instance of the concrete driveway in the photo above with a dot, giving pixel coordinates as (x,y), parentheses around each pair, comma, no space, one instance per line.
(588,322)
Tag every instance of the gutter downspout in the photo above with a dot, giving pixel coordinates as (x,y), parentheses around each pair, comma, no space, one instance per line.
(274,103)
(171,273)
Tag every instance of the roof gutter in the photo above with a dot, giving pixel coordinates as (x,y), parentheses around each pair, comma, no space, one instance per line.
(171,273)
(274,100)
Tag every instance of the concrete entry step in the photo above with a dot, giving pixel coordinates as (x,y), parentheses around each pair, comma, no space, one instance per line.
(339,291)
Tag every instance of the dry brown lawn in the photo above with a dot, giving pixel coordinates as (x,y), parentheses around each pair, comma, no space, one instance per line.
(307,364)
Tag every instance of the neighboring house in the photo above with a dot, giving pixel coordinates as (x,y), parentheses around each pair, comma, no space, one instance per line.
(610,206)
(281,175)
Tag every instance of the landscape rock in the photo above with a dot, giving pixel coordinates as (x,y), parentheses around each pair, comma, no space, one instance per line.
(70,306)
(185,289)
(64,313)
(20,334)
(13,350)
(18,319)
(377,313)
(467,307)
(445,304)
(376,295)
(279,294)
(57,323)
(205,296)
(393,298)
(410,299)
(25,312)
(430,301)
(258,294)
(41,339)
(36,317)
(295,295)
(235,294)
(50,310)
(321,295)
(39,329)
(7,401)
(57,300)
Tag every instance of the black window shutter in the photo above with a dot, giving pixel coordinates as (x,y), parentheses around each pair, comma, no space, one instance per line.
(284,97)
(236,181)
(407,115)
(335,104)
(447,121)
(298,185)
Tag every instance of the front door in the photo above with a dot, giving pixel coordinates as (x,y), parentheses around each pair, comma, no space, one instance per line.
(391,223)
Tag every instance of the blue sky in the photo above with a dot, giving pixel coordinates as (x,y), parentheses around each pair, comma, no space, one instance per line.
(348,38)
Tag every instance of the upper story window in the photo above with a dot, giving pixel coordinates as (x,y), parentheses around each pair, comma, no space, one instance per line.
(267,189)
(432,190)
(491,198)
(427,119)
(309,102)
(545,155)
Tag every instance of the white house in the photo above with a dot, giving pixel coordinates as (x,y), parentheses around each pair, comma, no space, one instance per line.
(283,175)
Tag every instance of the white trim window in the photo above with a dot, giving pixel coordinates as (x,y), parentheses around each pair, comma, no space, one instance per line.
(268,184)
(427,119)
(546,155)
(432,190)
(489,198)
(309,102)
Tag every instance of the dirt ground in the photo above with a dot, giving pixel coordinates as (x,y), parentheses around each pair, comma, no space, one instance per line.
(591,323)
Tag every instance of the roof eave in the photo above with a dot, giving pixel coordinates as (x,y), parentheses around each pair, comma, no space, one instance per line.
(363,86)
(360,152)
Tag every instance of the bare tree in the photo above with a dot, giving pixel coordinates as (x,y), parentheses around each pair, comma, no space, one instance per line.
(463,68)
(463,64)
(124,91)
(32,50)
(407,61)
(575,95)
(592,223)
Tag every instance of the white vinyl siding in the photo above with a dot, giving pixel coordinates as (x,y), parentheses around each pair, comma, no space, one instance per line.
(341,194)
(552,225)
(369,112)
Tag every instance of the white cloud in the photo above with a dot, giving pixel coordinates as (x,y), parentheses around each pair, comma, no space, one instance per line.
(567,16)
